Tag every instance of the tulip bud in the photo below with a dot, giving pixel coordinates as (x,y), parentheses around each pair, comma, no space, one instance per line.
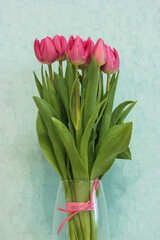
(112,63)
(88,47)
(60,44)
(45,50)
(100,52)
(75,51)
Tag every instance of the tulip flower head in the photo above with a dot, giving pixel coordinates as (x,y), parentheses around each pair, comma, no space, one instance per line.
(60,44)
(76,51)
(112,63)
(88,47)
(100,52)
(45,50)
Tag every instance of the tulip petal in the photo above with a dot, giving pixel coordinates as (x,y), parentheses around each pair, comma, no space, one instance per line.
(70,43)
(37,50)
(91,49)
(86,46)
(76,50)
(58,47)
(110,60)
(48,51)
(63,44)
(100,52)
(112,63)
(117,61)
(60,44)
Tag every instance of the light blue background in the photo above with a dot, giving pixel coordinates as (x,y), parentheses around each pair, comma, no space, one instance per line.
(28,183)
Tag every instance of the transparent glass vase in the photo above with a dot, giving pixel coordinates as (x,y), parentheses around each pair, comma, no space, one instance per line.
(86,200)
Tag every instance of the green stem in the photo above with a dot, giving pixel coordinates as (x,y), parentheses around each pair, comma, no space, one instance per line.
(76,218)
(77,101)
(83,73)
(108,82)
(61,67)
(76,94)
(83,84)
(98,79)
(82,195)
(50,73)
(74,225)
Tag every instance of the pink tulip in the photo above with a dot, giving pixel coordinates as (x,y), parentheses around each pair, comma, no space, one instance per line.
(112,63)
(100,52)
(60,44)
(88,47)
(45,50)
(76,51)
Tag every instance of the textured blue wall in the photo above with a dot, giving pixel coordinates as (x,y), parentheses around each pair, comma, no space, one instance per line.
(28,183)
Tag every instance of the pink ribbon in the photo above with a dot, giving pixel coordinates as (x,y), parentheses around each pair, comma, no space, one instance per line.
(75,207)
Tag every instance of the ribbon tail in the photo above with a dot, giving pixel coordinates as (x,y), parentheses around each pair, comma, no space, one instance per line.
(61,209)
(64,222)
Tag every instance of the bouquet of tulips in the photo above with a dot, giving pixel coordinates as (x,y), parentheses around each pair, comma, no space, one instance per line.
(79,132)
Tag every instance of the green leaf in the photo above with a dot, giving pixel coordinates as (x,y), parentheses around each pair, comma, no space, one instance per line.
(47,112)
(39,85)
(105,123)
(124,114)
(61,88)
(45,90)
(53,97)
(115,141)
(78,168)
(72,111)
(91,149)
(100,88)
(82,99)
(45,143)
(69,79)
(70,82)
(87,133)
(90,156)
(90,92)
(68,169)
(118,110)
(125,155)
(84,83)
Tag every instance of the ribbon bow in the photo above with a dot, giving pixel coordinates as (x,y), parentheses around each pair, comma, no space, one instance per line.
(75,207)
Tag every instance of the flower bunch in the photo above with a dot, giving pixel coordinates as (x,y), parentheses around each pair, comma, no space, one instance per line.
(79,133)
(79,52)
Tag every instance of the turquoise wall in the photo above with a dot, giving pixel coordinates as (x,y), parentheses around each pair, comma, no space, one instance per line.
(28,183)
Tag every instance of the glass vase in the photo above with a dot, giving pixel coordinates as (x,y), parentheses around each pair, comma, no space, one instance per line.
(81,211)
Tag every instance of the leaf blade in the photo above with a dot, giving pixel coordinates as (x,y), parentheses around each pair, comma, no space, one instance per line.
(39,85)
(45,143)
(61,88)
(47,112)
(116,140)
(90,91)
(87,133)
(125,154)
(45,91)
(53,97)
(108,110)
(78,168)
(124,114)
(117,111)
